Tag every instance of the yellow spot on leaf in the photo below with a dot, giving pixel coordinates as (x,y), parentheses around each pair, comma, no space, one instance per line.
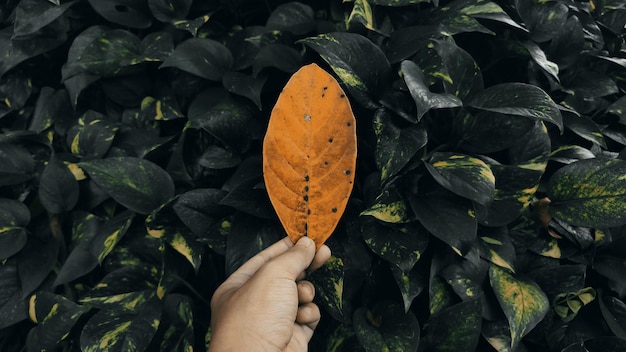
(31,308)
(112,335)
(349,79)
(78,173)
(156,233)
(443,76)
(554,251)
(499,261)
(491,240)
(180,245)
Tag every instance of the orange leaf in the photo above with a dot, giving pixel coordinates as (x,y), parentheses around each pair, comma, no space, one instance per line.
(309,154)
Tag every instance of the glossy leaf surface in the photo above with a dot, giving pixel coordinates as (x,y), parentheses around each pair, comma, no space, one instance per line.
(138,184)
(522,301)
(590,193)
(310,154)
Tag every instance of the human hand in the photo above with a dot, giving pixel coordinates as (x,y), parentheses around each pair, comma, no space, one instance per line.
(265,305)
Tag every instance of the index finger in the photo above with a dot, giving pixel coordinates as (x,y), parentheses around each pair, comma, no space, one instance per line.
(249,268)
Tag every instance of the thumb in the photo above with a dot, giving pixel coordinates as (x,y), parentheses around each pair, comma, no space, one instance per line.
(296,259)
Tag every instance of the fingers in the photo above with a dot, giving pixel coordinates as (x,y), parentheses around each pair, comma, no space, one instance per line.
(241,275)
(295,260)
(309,315)
(306,292)
(322,255)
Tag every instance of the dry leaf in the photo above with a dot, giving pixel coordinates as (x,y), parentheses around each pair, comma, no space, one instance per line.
(309,154)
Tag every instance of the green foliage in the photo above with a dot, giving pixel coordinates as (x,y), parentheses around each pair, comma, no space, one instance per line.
(488,207)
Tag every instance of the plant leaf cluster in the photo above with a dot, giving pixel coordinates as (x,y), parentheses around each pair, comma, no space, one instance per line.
(488,207)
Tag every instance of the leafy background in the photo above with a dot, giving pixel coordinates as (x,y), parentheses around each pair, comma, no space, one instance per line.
(490,191)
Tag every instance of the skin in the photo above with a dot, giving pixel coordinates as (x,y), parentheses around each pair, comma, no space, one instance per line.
(266,305)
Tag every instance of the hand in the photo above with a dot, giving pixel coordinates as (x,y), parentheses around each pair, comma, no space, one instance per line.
(266,305)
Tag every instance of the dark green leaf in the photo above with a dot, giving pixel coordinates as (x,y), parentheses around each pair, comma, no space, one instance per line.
(244,85)
(618,108)
(585,128)
(570,153)
(14,216)
(329,283)
(50,108)
(464,175)
(72,67)
(111,53)
(518,99)
(13,213)
(109,234)
(610,266)
(589,193)
(411,284)
(58,189)
(199,209)
(498,335)
(386,327)
(449,218)
(14,52)
(169,10)
(35,263)
(215,157)
(360,65)
(161,224)
(127,289)
(32,15)
(391,205)
(91,140)
(156,46)
(522,301)
(362,14)
(590,85)
(17,163)
(128,13)
(405,42)
(55,316)
(459,73)
(293,16)
(395,146)
(12,240)
(13,307)
(205,58)
(485,10)
(226,119)
(424,99)
(280,56)
(137,184)
(539,57)
(79,262)
(14,92)
(464,275)
(180,334)
(164,109)
(495,245)
(605,344)
(455,329)
(543,20)
(397,2)
(614,313)
(192,26)
(115,331)
(401,245)
(488,132)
